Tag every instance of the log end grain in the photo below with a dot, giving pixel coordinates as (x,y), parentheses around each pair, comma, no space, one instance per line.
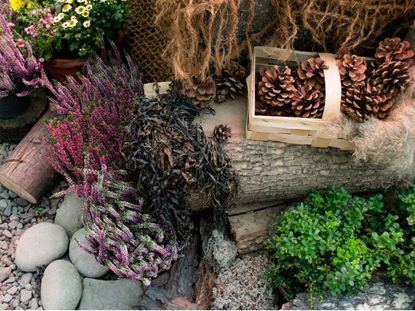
(26,171)
(250,230)
(10,184)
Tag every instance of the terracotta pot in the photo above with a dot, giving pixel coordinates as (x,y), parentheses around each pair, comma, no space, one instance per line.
(60,68)
(12,106)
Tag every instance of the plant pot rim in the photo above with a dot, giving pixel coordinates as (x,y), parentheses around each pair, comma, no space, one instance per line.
(65,61)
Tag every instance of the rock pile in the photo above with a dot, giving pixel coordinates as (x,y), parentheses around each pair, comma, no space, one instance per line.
(379,294)
(69,280)
(19,289)
(242,287)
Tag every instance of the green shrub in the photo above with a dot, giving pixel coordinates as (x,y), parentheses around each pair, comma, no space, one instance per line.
(334,242)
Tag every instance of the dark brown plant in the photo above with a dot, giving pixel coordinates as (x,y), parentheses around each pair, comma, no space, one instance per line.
(167,155)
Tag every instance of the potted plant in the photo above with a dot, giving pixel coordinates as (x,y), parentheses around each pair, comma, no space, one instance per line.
(66,32)
(20,72)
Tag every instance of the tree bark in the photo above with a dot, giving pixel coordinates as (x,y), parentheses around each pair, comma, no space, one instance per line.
(25,171)
(269,173)
(272,173)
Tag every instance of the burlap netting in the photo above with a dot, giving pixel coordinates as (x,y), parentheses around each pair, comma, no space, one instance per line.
(146,42)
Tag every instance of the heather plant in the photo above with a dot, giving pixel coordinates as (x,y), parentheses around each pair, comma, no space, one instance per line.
(85,147)
(122,237)
(18,73)
(90,113)
(334,242)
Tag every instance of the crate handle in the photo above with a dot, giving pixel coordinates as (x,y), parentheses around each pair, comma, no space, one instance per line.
(333,86)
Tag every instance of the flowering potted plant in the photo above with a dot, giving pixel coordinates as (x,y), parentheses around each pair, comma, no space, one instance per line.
(20,72)
(66,32)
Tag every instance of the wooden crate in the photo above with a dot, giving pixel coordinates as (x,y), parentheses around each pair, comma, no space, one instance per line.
(302,131)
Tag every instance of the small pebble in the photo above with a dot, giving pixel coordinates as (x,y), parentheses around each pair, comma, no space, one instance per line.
(25,295)
(7,233)
(15,303)
(7,298)
(19,290)
(25,279)
(33,304)
(21,202)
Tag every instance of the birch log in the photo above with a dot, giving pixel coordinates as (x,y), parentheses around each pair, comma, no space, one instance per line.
(25,171)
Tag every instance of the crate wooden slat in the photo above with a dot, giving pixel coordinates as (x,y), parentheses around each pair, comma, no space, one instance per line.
(291,130)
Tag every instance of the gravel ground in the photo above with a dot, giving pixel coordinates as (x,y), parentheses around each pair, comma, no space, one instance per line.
(242,287)
(19,290)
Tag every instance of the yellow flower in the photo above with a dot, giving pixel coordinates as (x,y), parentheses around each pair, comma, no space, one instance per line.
(66,8)
(29,5)
(73,22)
(80,9)
(87,24)
(85,14)
(59,17)
(16,5)
(89,7)
(65,25)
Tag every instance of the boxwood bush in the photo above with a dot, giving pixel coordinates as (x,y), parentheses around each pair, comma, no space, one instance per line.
(334,242)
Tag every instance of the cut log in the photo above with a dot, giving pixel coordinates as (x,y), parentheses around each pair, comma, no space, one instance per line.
(269,172)
(25,170)
(272,173)
(13,130)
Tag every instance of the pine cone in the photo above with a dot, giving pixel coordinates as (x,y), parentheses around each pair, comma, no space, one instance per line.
(231,82)
(222,132)
(388,80)
(395,50)
(308,102)
(312,68)
(276,91)
(391,77)
(360,101)
(202,93)
(352,70)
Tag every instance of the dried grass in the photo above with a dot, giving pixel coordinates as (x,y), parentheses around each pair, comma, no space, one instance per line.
(202,32)
(342,24)
(199,32)
(388,143)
